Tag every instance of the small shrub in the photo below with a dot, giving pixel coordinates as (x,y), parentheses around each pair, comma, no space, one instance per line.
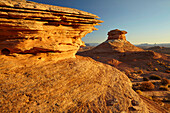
(135,72)
(155,69)
(135,103)
(139,92)
(131,79)
(140,72)
(162,63)
(165,99)
(149,97)
(168,67)
(164,88)
(149,64)
(158,61)
(165,81)
(147,86)
(155,77)
(97,57)
(145,79)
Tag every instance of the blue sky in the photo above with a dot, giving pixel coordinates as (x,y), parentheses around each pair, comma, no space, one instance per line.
(146,21)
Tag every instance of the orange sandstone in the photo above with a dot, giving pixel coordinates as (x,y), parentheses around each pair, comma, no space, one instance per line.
(116,34)
(29,27)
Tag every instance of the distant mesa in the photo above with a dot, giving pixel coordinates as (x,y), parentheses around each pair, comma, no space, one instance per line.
(155,47)
(29,27)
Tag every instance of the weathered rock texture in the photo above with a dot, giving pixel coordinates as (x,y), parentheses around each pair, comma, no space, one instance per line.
(29,27)
(79,85)
(116,34)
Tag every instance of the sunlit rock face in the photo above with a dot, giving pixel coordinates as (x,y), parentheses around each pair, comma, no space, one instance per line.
(116,42)
(116,50)
(116,34)
(29,27)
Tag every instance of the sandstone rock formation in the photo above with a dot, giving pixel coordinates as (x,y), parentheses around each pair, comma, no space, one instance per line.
(116,34)
(117,50)
(79,85)
(115,43)
(37,83)
(29,27)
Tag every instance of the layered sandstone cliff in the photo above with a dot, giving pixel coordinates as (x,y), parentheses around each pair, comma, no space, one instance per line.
(29,27)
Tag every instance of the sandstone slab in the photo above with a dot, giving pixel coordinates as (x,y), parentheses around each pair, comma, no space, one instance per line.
(33,84)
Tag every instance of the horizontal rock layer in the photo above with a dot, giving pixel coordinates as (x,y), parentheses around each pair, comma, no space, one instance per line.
(29,27)
(116,34)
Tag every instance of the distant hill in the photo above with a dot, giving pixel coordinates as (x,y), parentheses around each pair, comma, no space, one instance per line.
(146,45)
(158,49)
(91,44)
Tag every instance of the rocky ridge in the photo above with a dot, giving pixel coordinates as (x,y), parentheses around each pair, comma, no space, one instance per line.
(29,27)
